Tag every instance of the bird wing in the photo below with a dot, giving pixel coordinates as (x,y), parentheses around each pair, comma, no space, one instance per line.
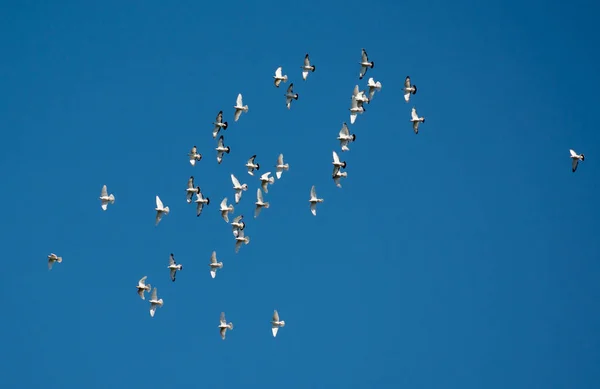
(413,114)
(275,316)
(239,102)
(313,208)
(265,176)
(142,281)
(238,196)
(355,91)
(172,260)
(251,160)
(213,257)
(573,153)
(304,74)
(336,179)
(220,142)
(222,319)
(213,272)
(336,159)
(237,114)
(154,294)
(256,213)
(406,96)
(141,293)
(278,72)
(104,192)
(235,181)
(416,127)
(199,207)
(223,331)
(365,57)
(574,164)
(237,219)
(306,60)
(159,203)
(344,131)
(219,118)
(190,183)
(290,88)
(313,192)
(353,103)
(274,330)
(224,203)
(407,82)
(259,195)
(173,274)
(277,82)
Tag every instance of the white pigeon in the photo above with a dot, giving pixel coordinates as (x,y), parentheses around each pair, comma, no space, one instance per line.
(337,174)
(276,324)
(415,119)
(290,95)
(240,238)
(53,258)
(174,266)
(238,224)
(576,158)
(225,209)
(356,107)
(155,302)
(143,287)
(345,137)
(260,204)
(365,64)
(307,67)
(105,198)
(194,156)
(281,166)
(251,165)
(239,108)
(224,326)
(314,200)
(373,86)
(278,77)
(360,95)
(408,89)
(238,188)
(160,210)
(337,163)
(219,124)
(214,265)
(221,148)
(265,180)
(191,190)
(200,202)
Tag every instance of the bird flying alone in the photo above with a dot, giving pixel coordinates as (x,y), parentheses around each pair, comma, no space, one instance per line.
(314,200)
(52,258)
(239,108)
(279,77)
(276,323)
(214,265)
(365,64)
(576,158)
(408,89)
(224,326)
(307,67)
(160,210)
(105,198)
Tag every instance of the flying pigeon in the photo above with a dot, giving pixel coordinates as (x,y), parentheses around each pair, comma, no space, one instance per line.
(214,265)
(238,224)
(251,165)
(194,156)
(105,198)
(53,258)
(365,64)
(238,188)
(276,324)
(225,209)
(223,326)
(260,204)
(200,202)
(143,287)
(278,77)
(307,67)
(281,166)
(155,302)
(415,119)
(289,95)
(345,137)
(360,95)
(408,89)
(191,190)
(174,266)
(240,238)
(265,180)
(336,162)
(356,107)
(219,124)
(373,86)
(576,157)
(160,210)
(314,200)
(337,174)
(221,148)
(239,108)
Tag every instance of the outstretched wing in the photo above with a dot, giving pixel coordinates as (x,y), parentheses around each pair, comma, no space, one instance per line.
(251,160)
(344,131)
(575,163)
(336,159)
(407,82)
(142,281)
(275,316)
(213,257)
(104,192)
(159,203)
(416,127)
(173,274)
(154,294)
(313,192)
(280,159)
(290,88)
(259,195)
(191,182)
(365,57)
(406,96)
(219,118)
(220,143)
(313,208)
(239,101)
(306,60)
(278,72)
(172,260)
(235,181)
(573,153)
(413,114)
(222,319)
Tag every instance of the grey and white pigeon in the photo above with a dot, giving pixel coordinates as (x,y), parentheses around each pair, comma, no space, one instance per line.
(415,119)
(221,148)
(219,124)
(365,64)
(194,156)
(224,326)
(174,266)
(408,89)
(105,198)
(279,77)
(276,323)
(200,201)
(576,158)
(191,190)
(307,67)
(251,165)
(290,95)
(214,265)
(52,258)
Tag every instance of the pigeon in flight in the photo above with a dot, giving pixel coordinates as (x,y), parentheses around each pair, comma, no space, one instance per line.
(260,204)
(281,166)
(155,302)
(240,238)
(290,95)
(105,198)
(221,148)
(219,124)
(345,137)
(214,265)
(239,108)
(53,258)
(200,202)
(191,190)
(314,200)
(279,78)
(365,64)
(238,224)
(160,210)
(276,324)
(356,107)
(415,119)
(408,89)
(238,188)
(373,87)
(576,158)
(307,67)
(225,209)
(265,180)
(224,326)
(194,155)
(143,287)
(337,174)
(174,266)
(252,166)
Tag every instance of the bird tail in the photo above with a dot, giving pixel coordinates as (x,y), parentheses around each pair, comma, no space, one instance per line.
(247,239)
(160,302)
(285,78)
(257,166)
(378,85)
(414,91)
(230,326)
(245,108)
(166,210)
(228,149)
(148,287)
(296,96)
(111,198)
(220,265)
(207,201)
(266,205)
(231,209)
(225,125)
(344,164)
(59,259)
(271,180)
(353,137)
(313,68)
(582,157)
(372,64)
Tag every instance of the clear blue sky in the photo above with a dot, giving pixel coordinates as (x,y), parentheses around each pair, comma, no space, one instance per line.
(466,256)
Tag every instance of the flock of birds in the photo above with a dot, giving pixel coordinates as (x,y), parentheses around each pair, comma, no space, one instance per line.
(358,99)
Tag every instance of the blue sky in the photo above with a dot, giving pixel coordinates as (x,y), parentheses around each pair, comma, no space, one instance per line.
(466,256)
